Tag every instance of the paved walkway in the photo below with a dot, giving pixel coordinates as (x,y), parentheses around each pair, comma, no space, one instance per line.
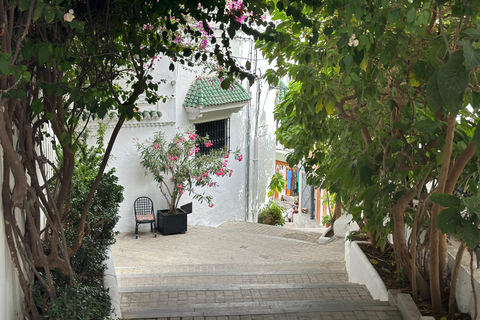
(239,270)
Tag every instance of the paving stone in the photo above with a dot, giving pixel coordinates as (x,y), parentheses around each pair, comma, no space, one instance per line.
(233,278)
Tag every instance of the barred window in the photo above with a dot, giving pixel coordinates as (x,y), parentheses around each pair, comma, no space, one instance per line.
(218,132)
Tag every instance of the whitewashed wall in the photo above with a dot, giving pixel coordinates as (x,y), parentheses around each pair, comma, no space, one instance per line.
(11,295)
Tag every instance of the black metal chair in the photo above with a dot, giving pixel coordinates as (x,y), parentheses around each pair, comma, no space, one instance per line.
(143,209)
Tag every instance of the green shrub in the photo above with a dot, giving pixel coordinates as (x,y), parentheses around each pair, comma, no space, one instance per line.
(88,299)
(326,219)
(272,214)
(80,303)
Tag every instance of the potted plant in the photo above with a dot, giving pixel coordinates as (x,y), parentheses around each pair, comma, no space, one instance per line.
(178,167)
(272,214)
(326,220)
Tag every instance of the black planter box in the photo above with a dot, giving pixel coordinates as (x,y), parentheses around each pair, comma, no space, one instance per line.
(171,223)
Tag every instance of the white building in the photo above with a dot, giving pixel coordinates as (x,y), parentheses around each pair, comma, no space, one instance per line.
(193,99)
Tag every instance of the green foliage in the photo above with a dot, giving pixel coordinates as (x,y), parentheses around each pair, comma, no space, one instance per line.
(277,184)
(179,158)
(272,214)
(326,219)
(80,303)
(373,84)
(60,63)
(461,217)
(88,263)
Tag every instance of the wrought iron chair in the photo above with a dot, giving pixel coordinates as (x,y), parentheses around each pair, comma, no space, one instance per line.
(143,209)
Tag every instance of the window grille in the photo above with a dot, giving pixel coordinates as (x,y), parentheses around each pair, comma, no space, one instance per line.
(218,132)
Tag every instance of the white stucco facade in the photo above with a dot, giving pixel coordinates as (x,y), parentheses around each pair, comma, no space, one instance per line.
(251,130)
(11,296)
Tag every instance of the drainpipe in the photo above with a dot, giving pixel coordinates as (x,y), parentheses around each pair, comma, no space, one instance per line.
(312,202)
(247,156)
(255,142)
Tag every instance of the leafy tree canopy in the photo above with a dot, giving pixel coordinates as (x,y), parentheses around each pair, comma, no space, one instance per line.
(383,108)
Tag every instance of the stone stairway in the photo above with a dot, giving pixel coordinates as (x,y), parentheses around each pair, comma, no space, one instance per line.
(269,290)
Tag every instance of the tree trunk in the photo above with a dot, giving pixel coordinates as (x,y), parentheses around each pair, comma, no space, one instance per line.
(437,252)
(456,269)
(402,255)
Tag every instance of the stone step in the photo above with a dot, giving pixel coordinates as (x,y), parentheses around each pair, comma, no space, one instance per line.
(232,278)
(277,309)
(265,267)
(133,299)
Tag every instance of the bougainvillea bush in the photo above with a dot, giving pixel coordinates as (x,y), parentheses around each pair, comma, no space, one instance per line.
(178,166)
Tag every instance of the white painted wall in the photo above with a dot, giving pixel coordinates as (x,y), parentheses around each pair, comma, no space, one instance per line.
(361,271)
(463,292)
(11,295)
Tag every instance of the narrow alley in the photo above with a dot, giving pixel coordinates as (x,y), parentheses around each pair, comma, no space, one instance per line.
(240,270)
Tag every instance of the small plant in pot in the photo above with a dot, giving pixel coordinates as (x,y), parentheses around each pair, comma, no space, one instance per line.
(326,220)
(272,214)
(178,167)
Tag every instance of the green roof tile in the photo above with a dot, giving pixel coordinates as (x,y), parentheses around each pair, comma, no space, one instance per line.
(207,91)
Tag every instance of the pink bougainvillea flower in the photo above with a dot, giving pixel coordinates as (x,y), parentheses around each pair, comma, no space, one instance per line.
(240,158)
(155,145)
(210,205)
(209,144)
(211,184)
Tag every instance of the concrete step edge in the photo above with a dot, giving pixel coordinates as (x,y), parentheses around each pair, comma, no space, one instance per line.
(215,287)
(227,273)
(257,308)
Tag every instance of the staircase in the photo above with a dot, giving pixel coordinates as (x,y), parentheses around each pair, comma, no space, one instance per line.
(269,290)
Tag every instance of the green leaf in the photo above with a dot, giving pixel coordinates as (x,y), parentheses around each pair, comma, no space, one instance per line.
(468,232)
(347,60)
(27,76)
(43,54)
(473,33)
(476,138)
(330,107)
(411,15)
(226,84)
(366,174)
(475,100)
(402,126)
(37,13)
(49,14)
(448,220)
(24,4)
(426,125)
(65,138)
(452,79)
(472,56)
(319,106)
(37,106)
(433,94)
(4,66)
(445,200)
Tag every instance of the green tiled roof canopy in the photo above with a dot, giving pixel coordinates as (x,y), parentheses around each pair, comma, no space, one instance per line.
(207,92)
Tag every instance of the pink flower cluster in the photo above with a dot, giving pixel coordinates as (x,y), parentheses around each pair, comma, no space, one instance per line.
(209,144)
(172,158)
